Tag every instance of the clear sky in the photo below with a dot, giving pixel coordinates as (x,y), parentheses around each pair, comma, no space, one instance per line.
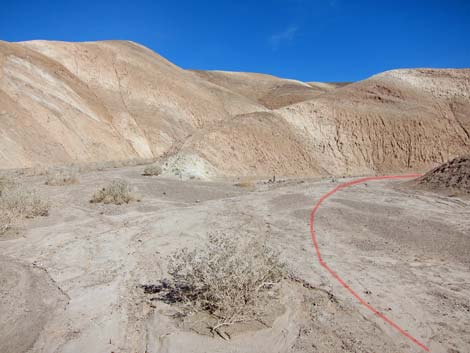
(309,40)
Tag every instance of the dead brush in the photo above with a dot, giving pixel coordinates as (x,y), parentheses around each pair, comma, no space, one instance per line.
(117,192)
(231,278)
(17,202)
(152,170)
(6,220)
(62,177)
(246,184)
(24,203)
(5,183)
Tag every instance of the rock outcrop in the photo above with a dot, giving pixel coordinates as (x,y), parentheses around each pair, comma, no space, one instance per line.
(452,176)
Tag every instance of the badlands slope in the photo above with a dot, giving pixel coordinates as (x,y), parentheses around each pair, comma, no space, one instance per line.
(84,102)
(115,100)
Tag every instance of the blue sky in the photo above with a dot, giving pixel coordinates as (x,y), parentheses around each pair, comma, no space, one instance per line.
(309,40)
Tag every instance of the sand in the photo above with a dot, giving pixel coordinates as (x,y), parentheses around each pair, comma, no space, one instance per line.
(406,251)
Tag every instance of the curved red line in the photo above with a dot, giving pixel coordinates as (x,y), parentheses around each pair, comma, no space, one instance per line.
(335,275)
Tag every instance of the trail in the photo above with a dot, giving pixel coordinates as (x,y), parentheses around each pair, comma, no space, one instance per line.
(336,276)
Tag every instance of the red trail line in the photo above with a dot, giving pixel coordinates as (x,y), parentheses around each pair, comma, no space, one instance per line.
(335,275)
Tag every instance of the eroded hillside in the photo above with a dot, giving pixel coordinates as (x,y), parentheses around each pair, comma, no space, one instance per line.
(81,102)
(114,100)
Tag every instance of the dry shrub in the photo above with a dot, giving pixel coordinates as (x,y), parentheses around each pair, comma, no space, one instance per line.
(152,170)
(117,192)
(100,166)
(6,220)
(33,171)
(5,183)
(246,184)
(62,177)
(17,202)
(24,203)
(229,278)
(83,167)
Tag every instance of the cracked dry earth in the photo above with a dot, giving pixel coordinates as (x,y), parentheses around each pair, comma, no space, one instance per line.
(70,281)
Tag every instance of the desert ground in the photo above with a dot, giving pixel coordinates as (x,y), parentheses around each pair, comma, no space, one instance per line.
(71,281)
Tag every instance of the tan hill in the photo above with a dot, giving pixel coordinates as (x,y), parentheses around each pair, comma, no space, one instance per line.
(270,91)
(398,121)
(75,102)
(452,176)
(115,100)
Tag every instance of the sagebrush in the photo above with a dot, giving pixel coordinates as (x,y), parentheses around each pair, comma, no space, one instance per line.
(18,202)
(230,278)
(117,192)
(247,184)
(152,170)
(5,183)
(62,177)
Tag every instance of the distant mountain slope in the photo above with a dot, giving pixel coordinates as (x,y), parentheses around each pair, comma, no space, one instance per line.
(115,100)
(270,91)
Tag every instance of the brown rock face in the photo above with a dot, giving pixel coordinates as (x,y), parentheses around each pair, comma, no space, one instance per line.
(453,176)
(114,100)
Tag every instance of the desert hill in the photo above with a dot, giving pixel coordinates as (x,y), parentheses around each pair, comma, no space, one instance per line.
(115,100)
(269,91)
(78,102)
(393,122)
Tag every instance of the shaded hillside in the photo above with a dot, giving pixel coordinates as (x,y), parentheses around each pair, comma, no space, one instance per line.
(452,176)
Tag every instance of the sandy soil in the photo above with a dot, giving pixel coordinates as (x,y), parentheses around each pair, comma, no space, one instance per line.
(70,281)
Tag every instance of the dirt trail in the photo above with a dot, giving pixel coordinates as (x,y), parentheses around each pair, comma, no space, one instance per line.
(337,277)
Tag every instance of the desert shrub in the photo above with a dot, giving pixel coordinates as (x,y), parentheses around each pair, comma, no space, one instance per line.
(152,170)
(5,183)
(229,278)
(24,203)
(117,192)
(248,184)
(100,166)
(17,202)
(6,220)
(62,177)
